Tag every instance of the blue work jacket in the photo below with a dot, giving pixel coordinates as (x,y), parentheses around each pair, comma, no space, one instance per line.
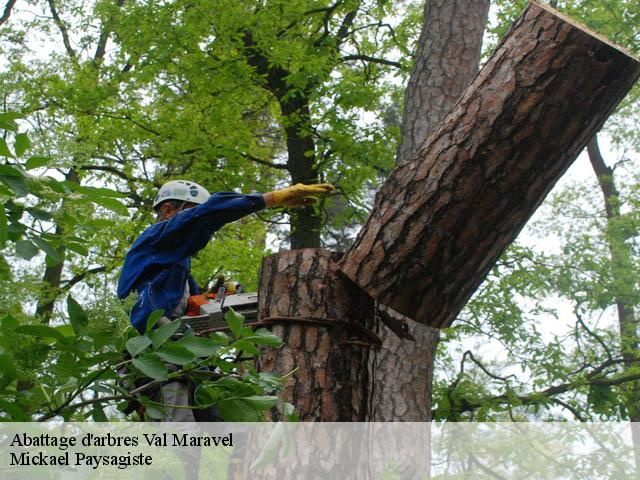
(158,265)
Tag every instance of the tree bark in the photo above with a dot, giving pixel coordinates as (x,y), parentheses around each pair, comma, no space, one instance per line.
(446,60)
(442,219)
(323,320)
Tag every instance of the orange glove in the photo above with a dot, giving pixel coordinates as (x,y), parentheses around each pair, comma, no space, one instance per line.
(300,195)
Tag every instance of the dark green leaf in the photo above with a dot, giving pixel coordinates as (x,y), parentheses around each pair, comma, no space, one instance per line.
(164,333)
(153,409)
(36,162)
(14,410)
(153,318)
(41,331)
(136,345)
(4,234)
(177,354)
(151,366)
(97,413)
(246,346)
(235,410)
(49,249)
(7,365)
(21,144)
(39,214)
(26,249)
(17,184)
(9,171)
(77,315)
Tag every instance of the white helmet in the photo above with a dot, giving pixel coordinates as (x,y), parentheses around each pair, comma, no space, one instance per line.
(182,190)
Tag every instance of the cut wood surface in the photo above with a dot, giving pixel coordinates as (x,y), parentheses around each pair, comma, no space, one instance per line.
(321,317)
(442,219)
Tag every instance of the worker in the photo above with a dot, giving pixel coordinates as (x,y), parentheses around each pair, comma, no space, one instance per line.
(158,264)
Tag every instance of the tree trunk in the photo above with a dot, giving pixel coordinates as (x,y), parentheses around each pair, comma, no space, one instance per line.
(53,275)
(446,60)
(443,218)
(623,273)
(305,223)
(323,320)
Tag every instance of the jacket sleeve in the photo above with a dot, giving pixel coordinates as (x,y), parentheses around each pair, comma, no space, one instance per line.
(189,231)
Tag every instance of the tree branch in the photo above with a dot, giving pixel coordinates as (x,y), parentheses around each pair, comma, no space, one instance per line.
(101,48)
(7,11)
(63,30)
(81,276)
(263,162)
(367,58)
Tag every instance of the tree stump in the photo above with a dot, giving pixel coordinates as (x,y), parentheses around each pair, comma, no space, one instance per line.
(324,321)
(442,219)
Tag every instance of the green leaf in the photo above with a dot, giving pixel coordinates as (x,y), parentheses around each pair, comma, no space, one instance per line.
(78,248)
(77,315)
(235,410)
(14,410)
(36,162)
(164,333)
(136,345)
(235,321)
(246,346)
(10,116)
(220,338)
(272,447)
(39,214)
(199,346)
(7,366)
(49,249)
(177,354)
(153,409)
(17,184)
(111,204)
(26,249)
(261,402)
(153,318)
(602,398)
(9,171)
(95,191)
(151,366)
(4,149)
(97,413)
(41,331)
(21,144)
(245,409)
(4,234)
(262,336)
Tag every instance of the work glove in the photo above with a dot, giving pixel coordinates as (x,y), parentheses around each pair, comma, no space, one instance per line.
(300,195)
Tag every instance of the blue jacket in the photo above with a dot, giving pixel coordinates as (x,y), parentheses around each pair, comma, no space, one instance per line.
(158,265)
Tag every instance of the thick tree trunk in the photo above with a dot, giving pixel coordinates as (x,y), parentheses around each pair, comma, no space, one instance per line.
(446,60)
(323,320)
(442,219)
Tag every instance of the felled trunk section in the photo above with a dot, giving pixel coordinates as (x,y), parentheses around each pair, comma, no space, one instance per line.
(324,321)
(442,219)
